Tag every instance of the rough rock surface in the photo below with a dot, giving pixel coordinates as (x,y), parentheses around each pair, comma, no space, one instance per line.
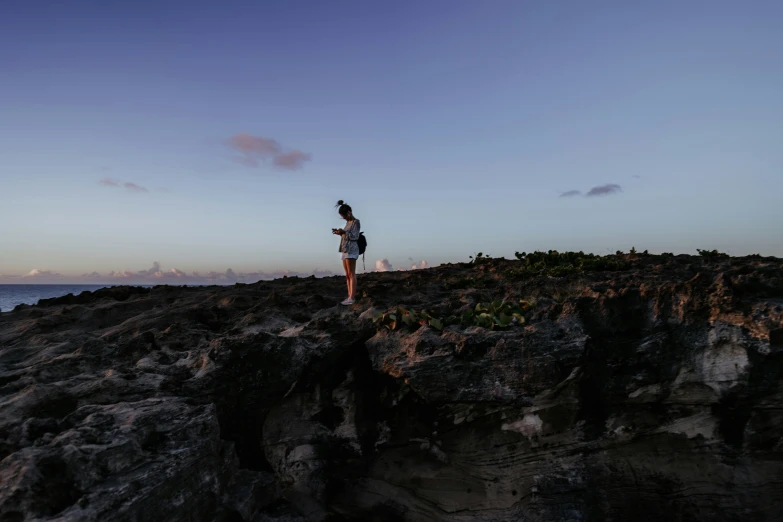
(648,393)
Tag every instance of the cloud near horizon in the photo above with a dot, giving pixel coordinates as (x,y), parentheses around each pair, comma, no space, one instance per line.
(34,276)
(421,265)
(383,265)
(36,273)
(255,150)
(127,185)
(570,193)
(156,275)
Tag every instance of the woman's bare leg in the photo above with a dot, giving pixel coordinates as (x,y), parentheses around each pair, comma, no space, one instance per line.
(347,268)
(352,278)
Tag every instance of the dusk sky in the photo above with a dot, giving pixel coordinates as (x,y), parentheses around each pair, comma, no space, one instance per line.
(208,136)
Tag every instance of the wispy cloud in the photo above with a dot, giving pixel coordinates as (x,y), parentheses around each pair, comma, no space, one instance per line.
(421,265)
(604,190)
(255,150)
(132,187)
(293,160)
(110,182)
(118,183)
(570,193)
(254,145)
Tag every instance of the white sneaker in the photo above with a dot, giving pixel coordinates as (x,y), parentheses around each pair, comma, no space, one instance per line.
(347,302)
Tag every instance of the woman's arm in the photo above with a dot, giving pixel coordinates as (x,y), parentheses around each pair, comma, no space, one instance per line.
(353,231)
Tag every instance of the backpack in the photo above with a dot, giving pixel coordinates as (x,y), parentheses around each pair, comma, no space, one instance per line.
(362,243)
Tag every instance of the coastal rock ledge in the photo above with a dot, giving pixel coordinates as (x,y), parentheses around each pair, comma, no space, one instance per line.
(648,390)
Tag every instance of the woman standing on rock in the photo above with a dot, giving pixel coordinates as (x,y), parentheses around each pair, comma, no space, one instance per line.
(349,247)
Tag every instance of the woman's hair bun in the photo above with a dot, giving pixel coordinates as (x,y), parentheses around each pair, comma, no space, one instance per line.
(341,202)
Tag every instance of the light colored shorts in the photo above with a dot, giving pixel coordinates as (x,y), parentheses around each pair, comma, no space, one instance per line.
(349,256)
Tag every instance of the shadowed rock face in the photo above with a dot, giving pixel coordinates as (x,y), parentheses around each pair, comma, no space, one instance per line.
(650,393)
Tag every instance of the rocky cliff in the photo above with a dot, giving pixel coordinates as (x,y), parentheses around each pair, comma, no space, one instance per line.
(645,388)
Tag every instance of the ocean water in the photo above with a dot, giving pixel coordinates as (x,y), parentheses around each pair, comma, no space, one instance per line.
(12,295)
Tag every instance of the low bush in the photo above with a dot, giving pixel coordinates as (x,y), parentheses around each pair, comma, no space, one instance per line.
(494,315)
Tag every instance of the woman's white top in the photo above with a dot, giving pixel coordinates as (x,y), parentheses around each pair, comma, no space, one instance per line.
(348,241)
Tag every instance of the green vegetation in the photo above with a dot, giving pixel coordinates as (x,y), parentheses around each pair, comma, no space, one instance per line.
(557,264)
(712,254)
(497,314)
(480,258)
(468,282)
(494,315)
(400,317)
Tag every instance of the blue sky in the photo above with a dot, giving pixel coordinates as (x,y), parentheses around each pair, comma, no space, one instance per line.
(208,136)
